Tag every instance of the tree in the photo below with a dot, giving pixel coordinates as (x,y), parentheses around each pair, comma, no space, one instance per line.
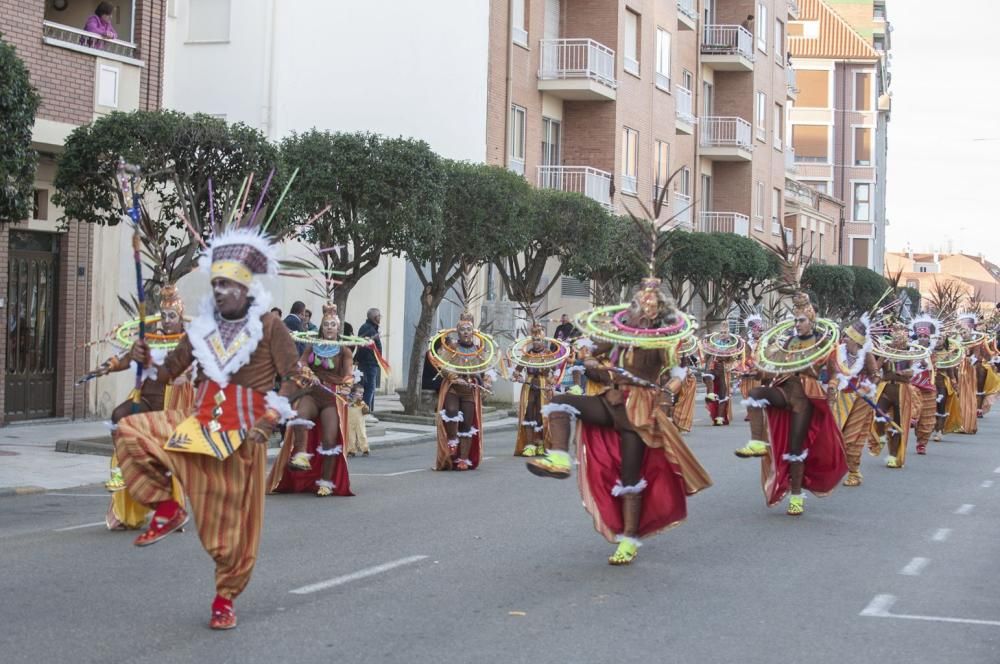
(945,297)
(373,187)
(831,288)
(178,155)
(869,288)
(557,225)
(480,203)
(18,105)
(611,258)
(721,269)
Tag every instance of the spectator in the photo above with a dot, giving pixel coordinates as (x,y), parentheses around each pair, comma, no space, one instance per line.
(748,23)
(307,324)
(348,330)
(293,322)
(365,358)
(566,330)
(276,311)
(357,437)
(99,23)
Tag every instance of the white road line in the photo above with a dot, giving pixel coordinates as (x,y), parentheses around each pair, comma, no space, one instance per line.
(880,605)
(361,574)
(965,509)
(941,534)
(915,567)
(996,470)
(85,525)
(986,484)
(81,495)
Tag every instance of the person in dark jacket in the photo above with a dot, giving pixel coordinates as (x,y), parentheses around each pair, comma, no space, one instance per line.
(365,357)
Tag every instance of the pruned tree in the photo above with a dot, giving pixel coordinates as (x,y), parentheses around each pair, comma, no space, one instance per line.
(480,203)
(371,186)
(18,104)
(869,287)
(831,288)
(609,261)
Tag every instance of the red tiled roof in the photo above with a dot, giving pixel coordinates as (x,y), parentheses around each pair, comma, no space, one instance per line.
(837,39)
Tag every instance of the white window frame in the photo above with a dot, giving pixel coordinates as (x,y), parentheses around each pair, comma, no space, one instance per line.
(760,116)
(871,91)
(663,59)
(108,79)
(776,226)
(518,144)
(630,61)
(630,162)
(758,205)
(760,22)
(854,146)
(659,167)
(882,39)
(779,41)
(854,201)
(778,139)
(518,29)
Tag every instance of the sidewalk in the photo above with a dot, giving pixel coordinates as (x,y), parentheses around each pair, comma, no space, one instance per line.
(30,464)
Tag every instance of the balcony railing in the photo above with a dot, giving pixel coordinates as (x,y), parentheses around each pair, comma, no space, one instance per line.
(577,58)
(682,210)
(591,182)
(64,36)
(724,222)
(790,80)
(515,165)
(689,8)
(790,166)
(684,104)
(728,40)
(726,132)
(793,8)
(775,227)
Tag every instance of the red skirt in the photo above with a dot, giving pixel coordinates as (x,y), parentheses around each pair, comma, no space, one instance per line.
(285,480)
(826,463)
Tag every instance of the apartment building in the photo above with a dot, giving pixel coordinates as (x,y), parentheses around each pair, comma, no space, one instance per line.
(839,119)
(48,294)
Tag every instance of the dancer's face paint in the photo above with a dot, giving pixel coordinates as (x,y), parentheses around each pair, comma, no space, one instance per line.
(230,297)
(466,334)
(852,346)
(803,326)
(330,327)
(170,321)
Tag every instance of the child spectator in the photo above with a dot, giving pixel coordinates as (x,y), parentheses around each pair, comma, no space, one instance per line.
(357,437)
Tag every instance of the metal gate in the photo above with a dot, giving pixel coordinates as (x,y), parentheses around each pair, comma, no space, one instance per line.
(31,325)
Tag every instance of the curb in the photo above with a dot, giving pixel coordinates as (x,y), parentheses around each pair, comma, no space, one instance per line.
(6,491)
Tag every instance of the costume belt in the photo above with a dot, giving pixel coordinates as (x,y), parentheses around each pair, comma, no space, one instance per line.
(220,423)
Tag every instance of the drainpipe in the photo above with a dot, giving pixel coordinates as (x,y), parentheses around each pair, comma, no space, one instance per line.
(269,48)
(509,86)
(843,156)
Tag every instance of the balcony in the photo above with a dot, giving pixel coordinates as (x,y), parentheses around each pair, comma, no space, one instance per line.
(724,222)
(790,167)
(577,70)
(726,139)
(63,36)
(685,111)
(793,10)
(687,14)
(591,182)
(727,48)
(682,212)
(791,90)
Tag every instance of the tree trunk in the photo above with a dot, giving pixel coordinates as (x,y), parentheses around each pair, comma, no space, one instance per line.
(421,336)
(340,296)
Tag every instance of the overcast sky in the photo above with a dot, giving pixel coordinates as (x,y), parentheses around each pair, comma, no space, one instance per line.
(944,135)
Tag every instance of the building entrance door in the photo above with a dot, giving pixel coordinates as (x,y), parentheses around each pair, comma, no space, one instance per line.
(31,318)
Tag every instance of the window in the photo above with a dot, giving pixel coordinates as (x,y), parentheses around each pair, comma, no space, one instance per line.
(775,211)
(820,254)
(758,206)
(779,126)
(630,160)
(859,251)
(760,116)
(862,146)
(760,23)
(682,185)
(821,186)
(814,88)
(518,119)
(519,33)
(208,21)
(862,91)
(862,201)
(631,64)
(913,283)
(551,178)
(779,41)
(663,59)
(811,143)
(661,167)
(878,42)
(687,79)
(570,287)
(878,11)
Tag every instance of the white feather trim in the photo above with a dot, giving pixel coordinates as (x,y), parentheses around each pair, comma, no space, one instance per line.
(795,458)
(680,373)
(529,423)
(204,325)
(299,422)
(453,443)
(333,451)
(327,484)
(939,399)
(750,402)
(281,405)
(261,243)
(705,374)
(468,434)
(576,368)
(111,425)
(621,490)
(458,418)
(550,408)
(491,374)
(584,342)
(631,540)
(539,429)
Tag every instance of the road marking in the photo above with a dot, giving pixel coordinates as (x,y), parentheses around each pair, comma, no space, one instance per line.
(402,472)
(81,495)
(996,470)
(965,509)
(915,567)
(85,525)
(355,576)
(941,534)
(880,605)
(986,484)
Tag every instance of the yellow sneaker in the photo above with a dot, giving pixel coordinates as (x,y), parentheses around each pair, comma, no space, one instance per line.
(555,464)
(300,461)
(628,549)
(892,462)
(796,505)
(529,451)
(755,448)
(116,482)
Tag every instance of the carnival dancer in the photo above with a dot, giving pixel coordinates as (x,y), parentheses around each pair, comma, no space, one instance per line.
(750,378)
(124,512)
(635,470)
(894,397)
(538,363)
(687,372)
(975,370)
(219,453)
(857,374)
(927,332)
(948,355)
(464,356)
(720,350)
(806,448)
(313,457)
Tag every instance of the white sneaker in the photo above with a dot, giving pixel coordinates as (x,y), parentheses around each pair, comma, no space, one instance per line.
(371,419)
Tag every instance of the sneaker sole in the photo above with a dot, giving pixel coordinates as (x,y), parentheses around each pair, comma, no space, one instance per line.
(541,472)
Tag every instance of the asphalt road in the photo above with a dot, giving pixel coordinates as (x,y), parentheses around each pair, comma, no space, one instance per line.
(501,566)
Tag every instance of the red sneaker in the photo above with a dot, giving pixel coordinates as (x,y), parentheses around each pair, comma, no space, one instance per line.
(162,524)
(921,448)
(223,616)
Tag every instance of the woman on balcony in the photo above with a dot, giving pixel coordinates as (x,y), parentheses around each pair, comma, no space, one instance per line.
(100,24)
